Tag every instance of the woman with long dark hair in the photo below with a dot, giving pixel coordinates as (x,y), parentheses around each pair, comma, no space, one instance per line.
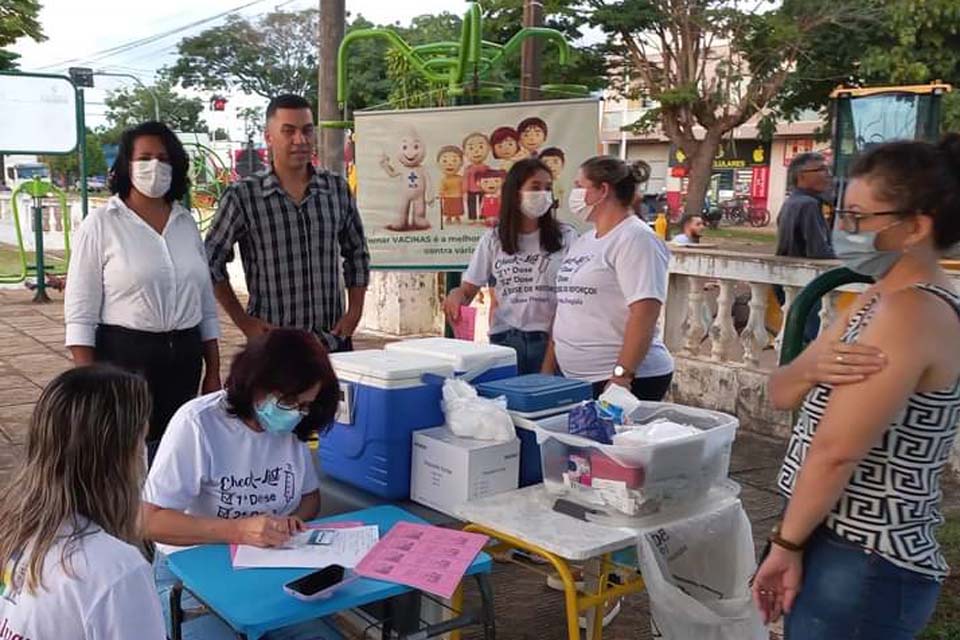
(139,293)
(520,256)
(71,548)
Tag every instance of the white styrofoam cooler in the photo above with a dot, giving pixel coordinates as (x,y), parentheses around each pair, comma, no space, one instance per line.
(473,361)
(447,470)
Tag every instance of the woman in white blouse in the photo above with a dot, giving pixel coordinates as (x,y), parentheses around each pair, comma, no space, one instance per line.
(139,293)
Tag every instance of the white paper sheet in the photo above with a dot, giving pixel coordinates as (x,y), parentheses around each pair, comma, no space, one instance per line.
(336,546)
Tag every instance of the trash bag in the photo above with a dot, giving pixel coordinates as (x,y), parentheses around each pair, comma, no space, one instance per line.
(697,573)
(470,416)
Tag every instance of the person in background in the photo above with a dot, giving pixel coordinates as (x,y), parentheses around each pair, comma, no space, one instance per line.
(691,230)
(139,294)
(281,390)
(802,229)
(856,555)
(71,549)
(610,289)
(521,256)
(293,224)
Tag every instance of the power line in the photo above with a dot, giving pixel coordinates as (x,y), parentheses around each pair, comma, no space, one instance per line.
(133,44)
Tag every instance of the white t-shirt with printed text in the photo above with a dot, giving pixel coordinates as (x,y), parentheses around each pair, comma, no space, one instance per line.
(110,594)
(210,464)
(597,282)
(523,282)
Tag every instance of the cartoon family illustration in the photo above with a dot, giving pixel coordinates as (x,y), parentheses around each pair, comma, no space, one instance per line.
(468,184)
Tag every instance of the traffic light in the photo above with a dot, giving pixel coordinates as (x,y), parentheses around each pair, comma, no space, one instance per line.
(219,103)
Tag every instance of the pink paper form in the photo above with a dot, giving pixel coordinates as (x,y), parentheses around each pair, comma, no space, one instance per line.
(428,558)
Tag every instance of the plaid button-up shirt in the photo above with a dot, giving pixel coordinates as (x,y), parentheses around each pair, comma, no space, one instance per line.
(291,252)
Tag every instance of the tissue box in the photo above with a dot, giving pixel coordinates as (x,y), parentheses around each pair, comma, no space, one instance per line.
(447,470)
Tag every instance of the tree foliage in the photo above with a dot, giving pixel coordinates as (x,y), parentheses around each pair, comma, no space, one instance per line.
(710,65)
(129,107)
(18,19)
(909,42)
(276,53)
(66,168)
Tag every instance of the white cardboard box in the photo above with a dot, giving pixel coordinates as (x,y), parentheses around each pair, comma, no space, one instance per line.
(446,471)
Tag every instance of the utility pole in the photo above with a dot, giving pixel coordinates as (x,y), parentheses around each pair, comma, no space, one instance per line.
(530,70)
(332,24)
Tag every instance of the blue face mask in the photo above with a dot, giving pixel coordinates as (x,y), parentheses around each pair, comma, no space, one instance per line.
(858,252)
(276,419)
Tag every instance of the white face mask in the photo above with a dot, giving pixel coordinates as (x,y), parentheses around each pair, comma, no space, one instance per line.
(152,178)
(535,204)
(578,204)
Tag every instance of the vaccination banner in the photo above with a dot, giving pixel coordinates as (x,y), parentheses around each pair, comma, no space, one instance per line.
(428,180)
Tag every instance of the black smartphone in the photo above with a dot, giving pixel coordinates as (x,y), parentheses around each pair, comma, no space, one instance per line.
(317,584)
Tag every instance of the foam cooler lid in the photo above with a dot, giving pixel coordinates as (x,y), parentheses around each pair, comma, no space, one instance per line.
(465,356)
(388,369)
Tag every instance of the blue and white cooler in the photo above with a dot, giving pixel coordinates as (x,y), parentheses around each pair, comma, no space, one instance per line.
(472,361)
(530,398)
(384,397)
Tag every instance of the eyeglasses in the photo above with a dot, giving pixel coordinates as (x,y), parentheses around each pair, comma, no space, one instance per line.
(850,220)
(292,405)
(824,169)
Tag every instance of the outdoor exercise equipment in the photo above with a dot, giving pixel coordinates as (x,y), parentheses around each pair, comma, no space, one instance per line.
(464,68)
(38,190)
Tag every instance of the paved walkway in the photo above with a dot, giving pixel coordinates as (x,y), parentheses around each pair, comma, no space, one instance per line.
(32,354)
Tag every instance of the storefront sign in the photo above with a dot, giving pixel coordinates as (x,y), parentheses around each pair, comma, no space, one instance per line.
(793,148)
(738,154)
(760,183)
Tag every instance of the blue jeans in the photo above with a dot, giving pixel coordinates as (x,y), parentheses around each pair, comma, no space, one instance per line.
(531,347)
(854,594)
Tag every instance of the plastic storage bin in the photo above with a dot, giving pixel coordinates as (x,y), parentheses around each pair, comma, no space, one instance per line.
(530,397)
(384,397)
(639,479)
(472,361)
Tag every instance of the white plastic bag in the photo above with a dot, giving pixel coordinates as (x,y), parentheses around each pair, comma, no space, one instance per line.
(470,416)
(697,573)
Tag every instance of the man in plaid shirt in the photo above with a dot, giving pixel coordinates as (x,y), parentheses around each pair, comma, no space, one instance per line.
(294,225)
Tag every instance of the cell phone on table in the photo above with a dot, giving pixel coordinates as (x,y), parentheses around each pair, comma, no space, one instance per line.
(319,584)
(572,509)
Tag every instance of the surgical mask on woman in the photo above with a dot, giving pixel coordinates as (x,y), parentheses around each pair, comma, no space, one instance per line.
(858,252)
(278,419)
(578,204)
(535,204)
(152,178)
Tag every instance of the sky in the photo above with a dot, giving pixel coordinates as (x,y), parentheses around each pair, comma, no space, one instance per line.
(77,30)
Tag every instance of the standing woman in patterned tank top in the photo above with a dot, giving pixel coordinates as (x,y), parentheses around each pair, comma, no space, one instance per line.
(855,555)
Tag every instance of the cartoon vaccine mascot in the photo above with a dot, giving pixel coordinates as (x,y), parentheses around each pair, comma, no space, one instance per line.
(412,207)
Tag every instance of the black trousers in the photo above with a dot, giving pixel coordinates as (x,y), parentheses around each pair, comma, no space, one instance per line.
(171,363)
(650,389)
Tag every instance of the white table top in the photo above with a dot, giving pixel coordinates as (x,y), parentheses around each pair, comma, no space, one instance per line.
(528,514)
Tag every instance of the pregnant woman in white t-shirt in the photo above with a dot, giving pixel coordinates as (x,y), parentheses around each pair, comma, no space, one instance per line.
(233,466)
(71,557)
(610,288)
(521,256)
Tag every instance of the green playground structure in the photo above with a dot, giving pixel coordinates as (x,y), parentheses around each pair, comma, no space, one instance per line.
(463,67)
(38,190)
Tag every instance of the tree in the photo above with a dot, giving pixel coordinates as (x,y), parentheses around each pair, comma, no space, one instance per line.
(275,54)
(18,19)
(587,65)
(129,107)
(709,65)
(66,168)
(908,43)
(221,134)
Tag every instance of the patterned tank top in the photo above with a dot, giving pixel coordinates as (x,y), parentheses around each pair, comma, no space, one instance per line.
(891,503)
